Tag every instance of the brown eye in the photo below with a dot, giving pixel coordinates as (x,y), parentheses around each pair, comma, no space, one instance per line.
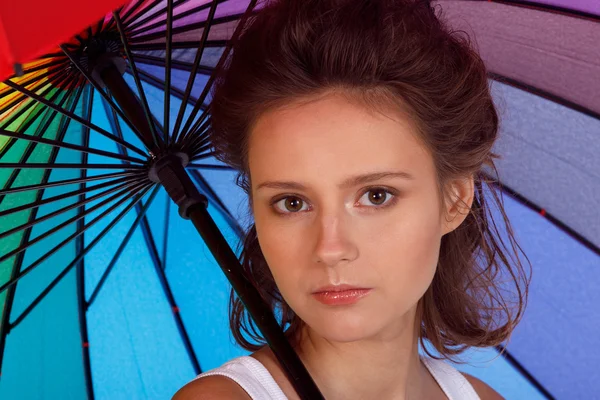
(289,205)
(293,204)
(378,197)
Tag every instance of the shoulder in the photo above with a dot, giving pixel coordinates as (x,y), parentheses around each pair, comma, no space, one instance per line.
(484,390)
(211,388)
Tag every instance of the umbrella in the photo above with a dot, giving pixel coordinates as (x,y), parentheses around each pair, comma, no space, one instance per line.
(147,300)
(29,29)
(65,176)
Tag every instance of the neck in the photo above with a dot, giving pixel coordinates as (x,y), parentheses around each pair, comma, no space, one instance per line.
(383,367)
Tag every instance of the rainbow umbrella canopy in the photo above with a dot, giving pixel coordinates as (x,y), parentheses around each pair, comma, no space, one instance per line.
(106,292)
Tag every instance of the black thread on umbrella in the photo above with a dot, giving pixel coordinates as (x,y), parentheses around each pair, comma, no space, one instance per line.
(73,116)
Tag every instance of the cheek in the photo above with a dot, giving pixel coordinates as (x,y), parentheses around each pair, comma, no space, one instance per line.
(410,244)
(280,249)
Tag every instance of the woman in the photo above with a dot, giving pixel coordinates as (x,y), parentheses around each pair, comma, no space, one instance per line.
(360,129)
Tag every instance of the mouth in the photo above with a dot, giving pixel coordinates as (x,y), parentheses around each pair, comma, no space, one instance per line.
(340,295)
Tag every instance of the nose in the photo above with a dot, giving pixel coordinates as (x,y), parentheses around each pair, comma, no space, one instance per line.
(333,240)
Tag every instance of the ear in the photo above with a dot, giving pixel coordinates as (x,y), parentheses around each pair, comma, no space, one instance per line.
(458,203)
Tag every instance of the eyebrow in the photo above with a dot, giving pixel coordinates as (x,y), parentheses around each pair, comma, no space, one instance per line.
(350,182)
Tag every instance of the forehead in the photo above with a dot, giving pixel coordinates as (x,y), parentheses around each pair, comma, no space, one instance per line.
(332,137)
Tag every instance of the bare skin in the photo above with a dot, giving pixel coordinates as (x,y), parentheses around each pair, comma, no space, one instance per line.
(317,226)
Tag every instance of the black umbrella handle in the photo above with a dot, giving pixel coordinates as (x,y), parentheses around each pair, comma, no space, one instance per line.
(193,205)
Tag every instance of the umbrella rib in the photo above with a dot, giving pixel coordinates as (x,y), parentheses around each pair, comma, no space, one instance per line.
(524,372)
(35,79)
(74,235)
(237,32)
(177,45)
(63,196)
(551,218)
(122,246)
(217,202)
(79,245)
(71,165)
(134,25)
(31,146)
(167,87)
(40,130)
(73,263)
(177,17)
(73,116)
(544,94)
(186,28)
(63,183)
(198,134)
(132,9)
(180,65)
(192,77)
(159,84)
(70,146)
(4,327)
(136,78)
(47,65)
(210,166)
(166,232)
(70,207)
(43,87)
(92,82)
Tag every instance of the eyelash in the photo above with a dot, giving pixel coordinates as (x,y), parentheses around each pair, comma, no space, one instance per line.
(389,203)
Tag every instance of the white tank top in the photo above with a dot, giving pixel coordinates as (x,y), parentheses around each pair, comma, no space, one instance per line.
(256,380)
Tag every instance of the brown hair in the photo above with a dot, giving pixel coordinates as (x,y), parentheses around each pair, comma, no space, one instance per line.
(377,51)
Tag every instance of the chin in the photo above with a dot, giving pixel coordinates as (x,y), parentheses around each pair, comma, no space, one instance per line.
(342,327)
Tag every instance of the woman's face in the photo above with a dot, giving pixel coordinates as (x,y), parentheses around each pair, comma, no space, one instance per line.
(342,195)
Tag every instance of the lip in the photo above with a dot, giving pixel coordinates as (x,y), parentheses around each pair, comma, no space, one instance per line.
(340,294)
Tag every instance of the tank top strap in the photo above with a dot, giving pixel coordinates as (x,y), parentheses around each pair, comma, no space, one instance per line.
(252,376)
(454,384)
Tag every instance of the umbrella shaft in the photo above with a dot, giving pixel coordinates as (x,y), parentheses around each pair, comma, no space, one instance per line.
(127,100)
